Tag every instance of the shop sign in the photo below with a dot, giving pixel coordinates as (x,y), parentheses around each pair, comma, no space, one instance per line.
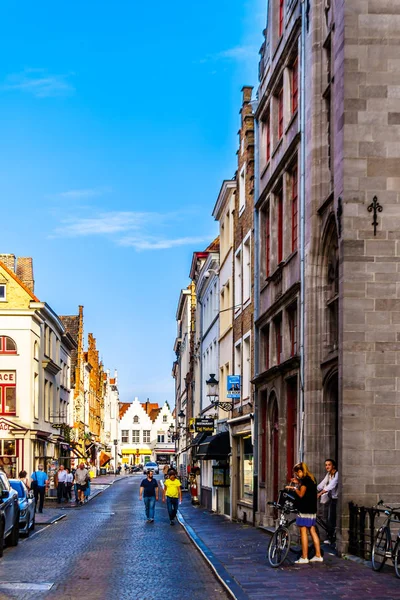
(204,425)
(233,386)
(7,376)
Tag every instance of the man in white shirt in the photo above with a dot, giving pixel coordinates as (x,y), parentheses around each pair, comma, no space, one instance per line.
(61,481)
(328,494)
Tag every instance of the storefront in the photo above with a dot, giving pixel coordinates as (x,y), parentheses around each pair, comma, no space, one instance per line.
(135,456)
(213,452)
(242,471)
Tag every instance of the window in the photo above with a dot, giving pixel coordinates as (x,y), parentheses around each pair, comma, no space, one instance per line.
(7,345)
(278,339)
(242,188)
(238,359)
(146,436)
(136,419)
(238,280)
(165,418)
(246,367)
(36,395)
(8,448)
(3,293)
(267,242)
(135,436)
(265,349)
(295,209)
(125,436)
(292,318)
(8,396)
(280,18)
(280,114)
(246,269)
(160,437)
(279,206)
(295,86)
(268,136)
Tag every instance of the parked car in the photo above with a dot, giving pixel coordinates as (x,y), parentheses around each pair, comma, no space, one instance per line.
(151,466)
(9,513)
(27,506)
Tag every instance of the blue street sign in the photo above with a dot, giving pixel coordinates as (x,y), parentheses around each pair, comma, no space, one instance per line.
(233,386)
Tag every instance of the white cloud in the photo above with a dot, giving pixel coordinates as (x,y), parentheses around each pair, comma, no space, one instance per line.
(82,194)
(39,83)
(139,230)
(161,244)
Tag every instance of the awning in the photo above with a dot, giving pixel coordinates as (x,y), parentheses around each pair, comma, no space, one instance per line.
(215,447)
(104,459)
(200,437)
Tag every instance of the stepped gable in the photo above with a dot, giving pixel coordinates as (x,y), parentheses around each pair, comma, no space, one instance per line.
(123,407)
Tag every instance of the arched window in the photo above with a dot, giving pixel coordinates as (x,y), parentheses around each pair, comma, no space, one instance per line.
(7,345)
(136,419)
(331,288)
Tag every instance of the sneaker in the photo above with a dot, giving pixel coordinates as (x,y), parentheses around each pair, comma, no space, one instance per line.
(317,559)
(151,520)
(302,561)
(327,541)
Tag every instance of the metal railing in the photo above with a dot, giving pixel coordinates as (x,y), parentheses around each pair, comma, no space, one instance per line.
(363,525)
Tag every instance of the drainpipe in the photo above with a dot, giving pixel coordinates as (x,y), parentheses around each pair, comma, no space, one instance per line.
(256,301)
(302,221)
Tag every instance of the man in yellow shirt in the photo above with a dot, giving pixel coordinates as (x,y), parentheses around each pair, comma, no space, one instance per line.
(172,490)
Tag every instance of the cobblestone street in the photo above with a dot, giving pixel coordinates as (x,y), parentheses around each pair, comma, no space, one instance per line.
(106,550)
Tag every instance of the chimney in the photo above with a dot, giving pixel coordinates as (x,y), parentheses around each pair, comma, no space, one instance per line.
(9,261)
(25,272)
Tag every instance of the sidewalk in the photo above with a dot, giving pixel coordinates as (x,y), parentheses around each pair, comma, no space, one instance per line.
(97,486)
(237,553)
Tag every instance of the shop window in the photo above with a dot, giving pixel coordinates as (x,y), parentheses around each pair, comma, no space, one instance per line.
(135,436)
(125,436)
(247,472)
(8,460)
(295,85)
(295,209)
(7,345)
(146,436)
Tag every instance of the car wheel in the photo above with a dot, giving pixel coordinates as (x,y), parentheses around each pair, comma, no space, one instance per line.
(14,535)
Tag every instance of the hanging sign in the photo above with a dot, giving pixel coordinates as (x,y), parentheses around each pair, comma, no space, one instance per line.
(233,385)
(204,425)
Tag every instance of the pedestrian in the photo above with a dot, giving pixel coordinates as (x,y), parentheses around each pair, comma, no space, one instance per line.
(39,485)
(22,476)
(68,484)
(328,495)
(81,480)
(172,491)
(61,484)
(149,491)
(306,489)
(165,471)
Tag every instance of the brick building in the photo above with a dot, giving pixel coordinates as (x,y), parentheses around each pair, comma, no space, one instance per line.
(328,306)
(240,424)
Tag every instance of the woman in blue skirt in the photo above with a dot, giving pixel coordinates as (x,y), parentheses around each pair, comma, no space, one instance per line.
(306,490)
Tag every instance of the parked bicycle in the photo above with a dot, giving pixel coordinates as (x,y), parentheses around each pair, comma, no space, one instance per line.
(279,544)
(384,547)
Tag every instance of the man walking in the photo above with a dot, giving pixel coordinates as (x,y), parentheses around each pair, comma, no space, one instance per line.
(149,492)
(81,480)
(61,484)
(173,492)
(39,485)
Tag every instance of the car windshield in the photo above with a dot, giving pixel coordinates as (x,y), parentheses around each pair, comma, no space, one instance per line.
(18,487)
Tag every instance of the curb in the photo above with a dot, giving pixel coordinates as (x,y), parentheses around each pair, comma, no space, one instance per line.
(227,580)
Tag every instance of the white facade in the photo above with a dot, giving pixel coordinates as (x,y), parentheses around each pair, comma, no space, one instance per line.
(111,431)
(143,438)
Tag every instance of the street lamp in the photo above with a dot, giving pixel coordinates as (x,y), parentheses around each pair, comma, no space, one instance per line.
(212,394)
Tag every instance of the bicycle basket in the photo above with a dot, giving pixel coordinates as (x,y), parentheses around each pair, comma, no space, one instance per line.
(287,497)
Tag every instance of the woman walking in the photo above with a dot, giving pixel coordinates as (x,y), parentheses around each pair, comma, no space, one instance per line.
(306,490)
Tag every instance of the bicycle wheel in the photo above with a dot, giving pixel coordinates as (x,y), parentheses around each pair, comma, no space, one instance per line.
(396,558)
(380,548)
(278,547)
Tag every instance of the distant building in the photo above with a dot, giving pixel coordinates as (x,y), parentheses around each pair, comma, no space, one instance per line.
(145,433)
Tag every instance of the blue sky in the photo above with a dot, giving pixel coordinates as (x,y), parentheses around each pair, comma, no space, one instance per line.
(118,124)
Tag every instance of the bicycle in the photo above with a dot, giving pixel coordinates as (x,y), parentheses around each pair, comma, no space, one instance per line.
(384,547)
(279,545)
